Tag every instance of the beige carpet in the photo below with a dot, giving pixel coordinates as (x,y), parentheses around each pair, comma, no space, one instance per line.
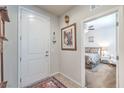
(102,76)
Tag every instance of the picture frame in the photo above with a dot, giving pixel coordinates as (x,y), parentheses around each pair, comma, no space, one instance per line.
(68,37)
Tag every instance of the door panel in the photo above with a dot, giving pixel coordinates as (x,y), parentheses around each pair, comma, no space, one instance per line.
(35,31)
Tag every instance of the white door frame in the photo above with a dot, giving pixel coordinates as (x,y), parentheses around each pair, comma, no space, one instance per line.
(119,10)
(20,8)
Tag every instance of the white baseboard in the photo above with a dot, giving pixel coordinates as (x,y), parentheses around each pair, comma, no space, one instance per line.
(70,79)
(66,77)
(54,73)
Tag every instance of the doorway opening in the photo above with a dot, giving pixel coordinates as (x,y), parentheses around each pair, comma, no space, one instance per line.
(100,36)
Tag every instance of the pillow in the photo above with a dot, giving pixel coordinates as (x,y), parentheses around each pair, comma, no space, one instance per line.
(94,58)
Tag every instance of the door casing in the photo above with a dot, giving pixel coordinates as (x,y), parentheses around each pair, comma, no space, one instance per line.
(117,10)
(20,8)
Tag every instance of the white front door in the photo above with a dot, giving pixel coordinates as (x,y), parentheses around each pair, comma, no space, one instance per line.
(34,47)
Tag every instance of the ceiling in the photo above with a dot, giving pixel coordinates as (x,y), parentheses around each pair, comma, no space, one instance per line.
(56,9)
(105,21)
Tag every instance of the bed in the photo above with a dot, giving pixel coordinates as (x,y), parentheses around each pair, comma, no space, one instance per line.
(92,57)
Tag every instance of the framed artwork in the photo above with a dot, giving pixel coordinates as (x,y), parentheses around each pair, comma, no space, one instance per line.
(68,37)
(91,38)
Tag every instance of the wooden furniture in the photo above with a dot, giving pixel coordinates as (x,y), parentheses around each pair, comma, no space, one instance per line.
(3,17)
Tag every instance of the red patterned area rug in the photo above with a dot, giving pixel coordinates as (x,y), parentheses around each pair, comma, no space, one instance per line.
(50,82)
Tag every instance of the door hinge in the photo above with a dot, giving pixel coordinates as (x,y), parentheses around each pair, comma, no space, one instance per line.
(20,59)
(117,23)
(20,79)
(20,17)
(117,57)
(20,37)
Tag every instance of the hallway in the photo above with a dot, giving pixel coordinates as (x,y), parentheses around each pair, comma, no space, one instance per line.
(45,40)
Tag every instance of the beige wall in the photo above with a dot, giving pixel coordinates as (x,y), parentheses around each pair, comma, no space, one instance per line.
(70,63)
(55,54)
(10,48)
